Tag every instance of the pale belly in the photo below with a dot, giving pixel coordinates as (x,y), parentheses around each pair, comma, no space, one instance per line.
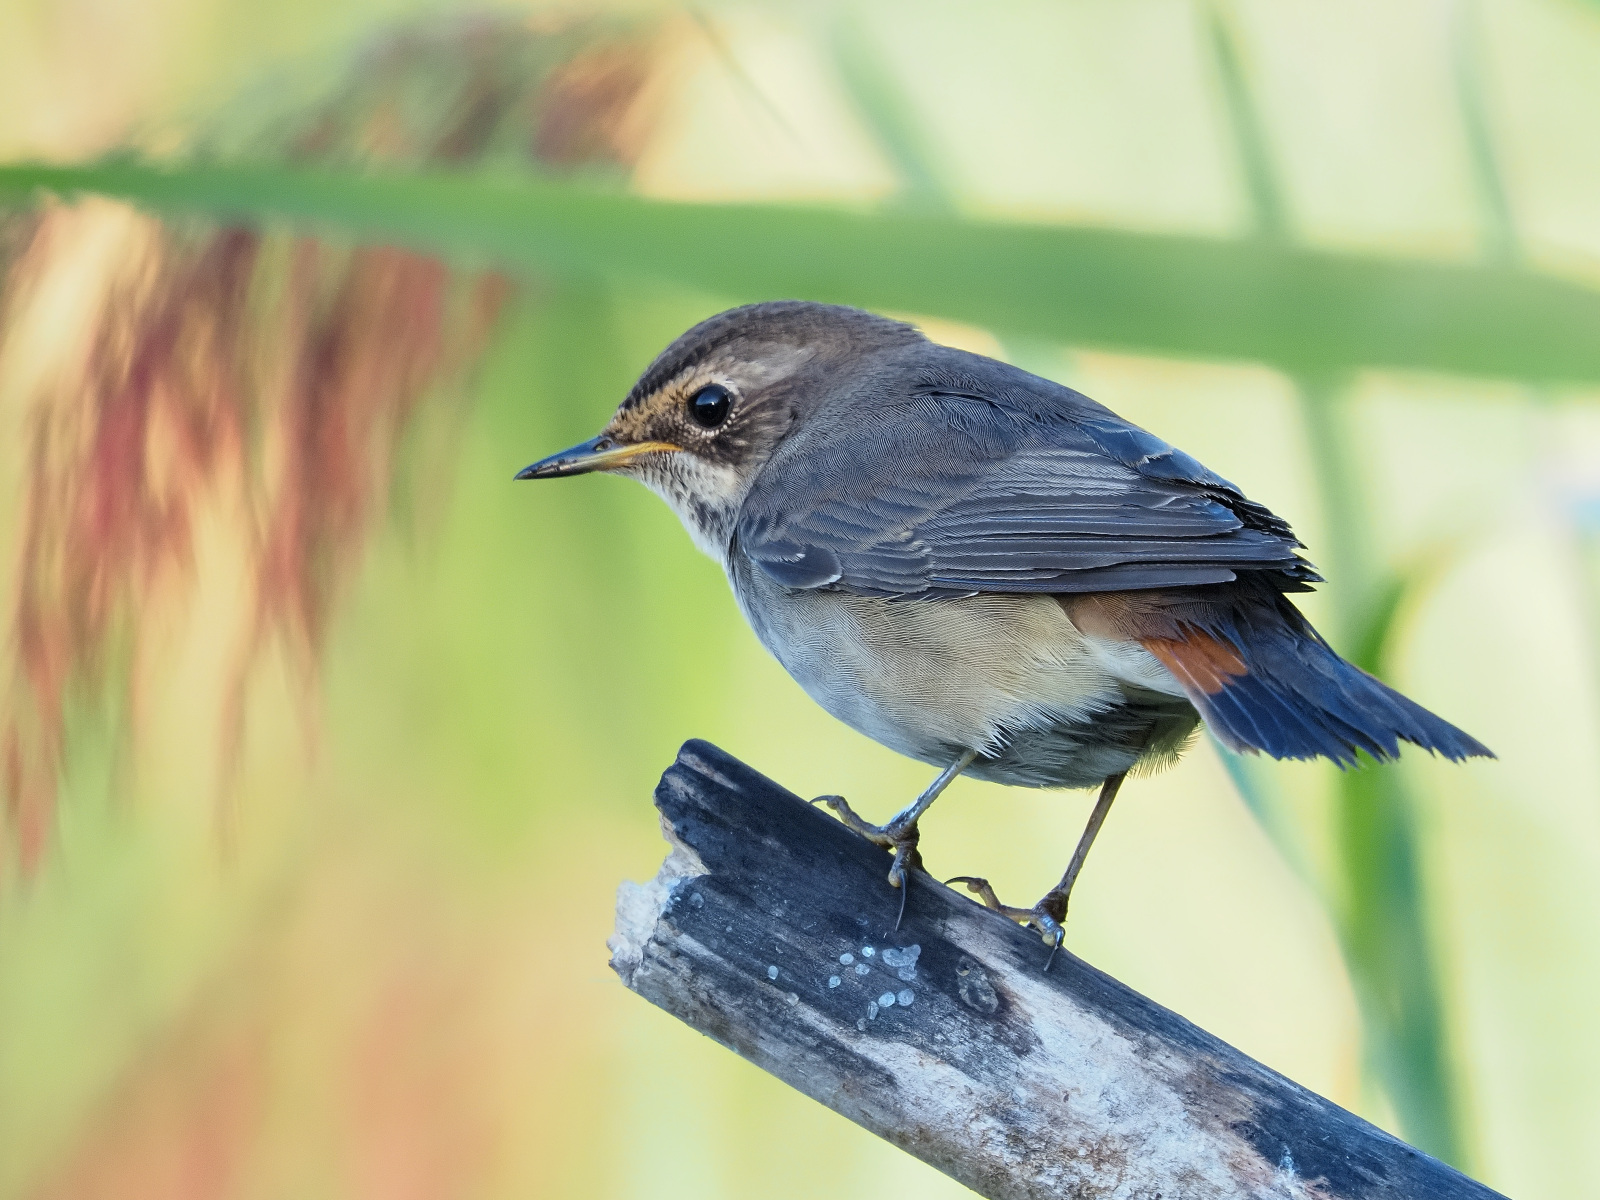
(1009,676)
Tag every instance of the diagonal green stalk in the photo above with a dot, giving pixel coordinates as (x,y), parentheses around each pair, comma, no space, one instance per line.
(1379,901)
(887,112)
(1499,236)
(1379,905)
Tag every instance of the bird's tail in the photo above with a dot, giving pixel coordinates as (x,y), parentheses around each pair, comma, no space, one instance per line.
(1265,680)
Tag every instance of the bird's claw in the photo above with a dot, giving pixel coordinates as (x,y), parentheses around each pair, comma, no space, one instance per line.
(897,837)
(1047,917)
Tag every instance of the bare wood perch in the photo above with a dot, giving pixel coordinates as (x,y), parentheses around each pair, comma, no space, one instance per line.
(766,930)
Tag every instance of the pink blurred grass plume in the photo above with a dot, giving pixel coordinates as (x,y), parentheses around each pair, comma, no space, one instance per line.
(174,375)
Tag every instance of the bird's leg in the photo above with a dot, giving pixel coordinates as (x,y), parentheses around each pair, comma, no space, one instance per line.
(1050,914)
(900,833)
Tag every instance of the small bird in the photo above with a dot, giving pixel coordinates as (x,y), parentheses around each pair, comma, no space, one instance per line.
(985,570)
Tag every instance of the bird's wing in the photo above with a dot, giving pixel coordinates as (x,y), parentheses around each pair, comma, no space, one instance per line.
(944,492)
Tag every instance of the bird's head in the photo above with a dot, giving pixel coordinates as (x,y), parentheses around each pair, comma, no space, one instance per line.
(706,416)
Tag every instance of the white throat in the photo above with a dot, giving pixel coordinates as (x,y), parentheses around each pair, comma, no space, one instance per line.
(706,497)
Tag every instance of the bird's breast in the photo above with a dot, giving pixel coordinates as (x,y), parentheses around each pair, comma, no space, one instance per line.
(926,677)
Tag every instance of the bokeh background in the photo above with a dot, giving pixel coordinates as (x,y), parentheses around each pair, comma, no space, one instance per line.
(324,745)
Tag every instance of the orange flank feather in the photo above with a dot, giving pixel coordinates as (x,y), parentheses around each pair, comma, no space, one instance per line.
(1200,661)
(1197,660)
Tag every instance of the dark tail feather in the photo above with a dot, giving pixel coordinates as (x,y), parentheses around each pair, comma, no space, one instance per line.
(1263,679)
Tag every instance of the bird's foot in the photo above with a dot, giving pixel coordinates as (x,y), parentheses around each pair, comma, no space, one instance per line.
(899,837)
(1048,917)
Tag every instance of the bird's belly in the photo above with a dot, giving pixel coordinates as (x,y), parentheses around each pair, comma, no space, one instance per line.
(1007,675)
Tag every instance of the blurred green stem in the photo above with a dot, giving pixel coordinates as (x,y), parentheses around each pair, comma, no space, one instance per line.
(1378,905)
(1379,901)
(887,112)
(1348,552)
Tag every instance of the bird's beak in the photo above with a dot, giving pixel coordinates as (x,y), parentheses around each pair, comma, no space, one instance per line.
(597,454)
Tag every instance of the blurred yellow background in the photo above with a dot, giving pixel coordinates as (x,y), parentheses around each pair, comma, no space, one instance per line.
(327,744)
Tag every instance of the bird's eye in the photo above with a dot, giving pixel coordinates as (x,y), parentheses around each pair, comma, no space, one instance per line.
(709,406)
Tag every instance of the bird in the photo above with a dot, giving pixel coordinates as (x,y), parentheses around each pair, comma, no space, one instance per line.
(986,570)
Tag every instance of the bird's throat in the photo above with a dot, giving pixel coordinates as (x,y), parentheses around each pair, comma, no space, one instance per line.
(705,496)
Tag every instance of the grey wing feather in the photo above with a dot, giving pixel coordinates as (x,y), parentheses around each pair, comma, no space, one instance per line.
(992,488)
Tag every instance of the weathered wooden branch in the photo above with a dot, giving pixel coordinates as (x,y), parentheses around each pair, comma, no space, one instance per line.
(767,930)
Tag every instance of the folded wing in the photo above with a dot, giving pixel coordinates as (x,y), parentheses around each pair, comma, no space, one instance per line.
(989,486)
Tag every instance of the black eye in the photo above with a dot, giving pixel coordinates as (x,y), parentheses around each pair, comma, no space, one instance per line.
(709,406)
